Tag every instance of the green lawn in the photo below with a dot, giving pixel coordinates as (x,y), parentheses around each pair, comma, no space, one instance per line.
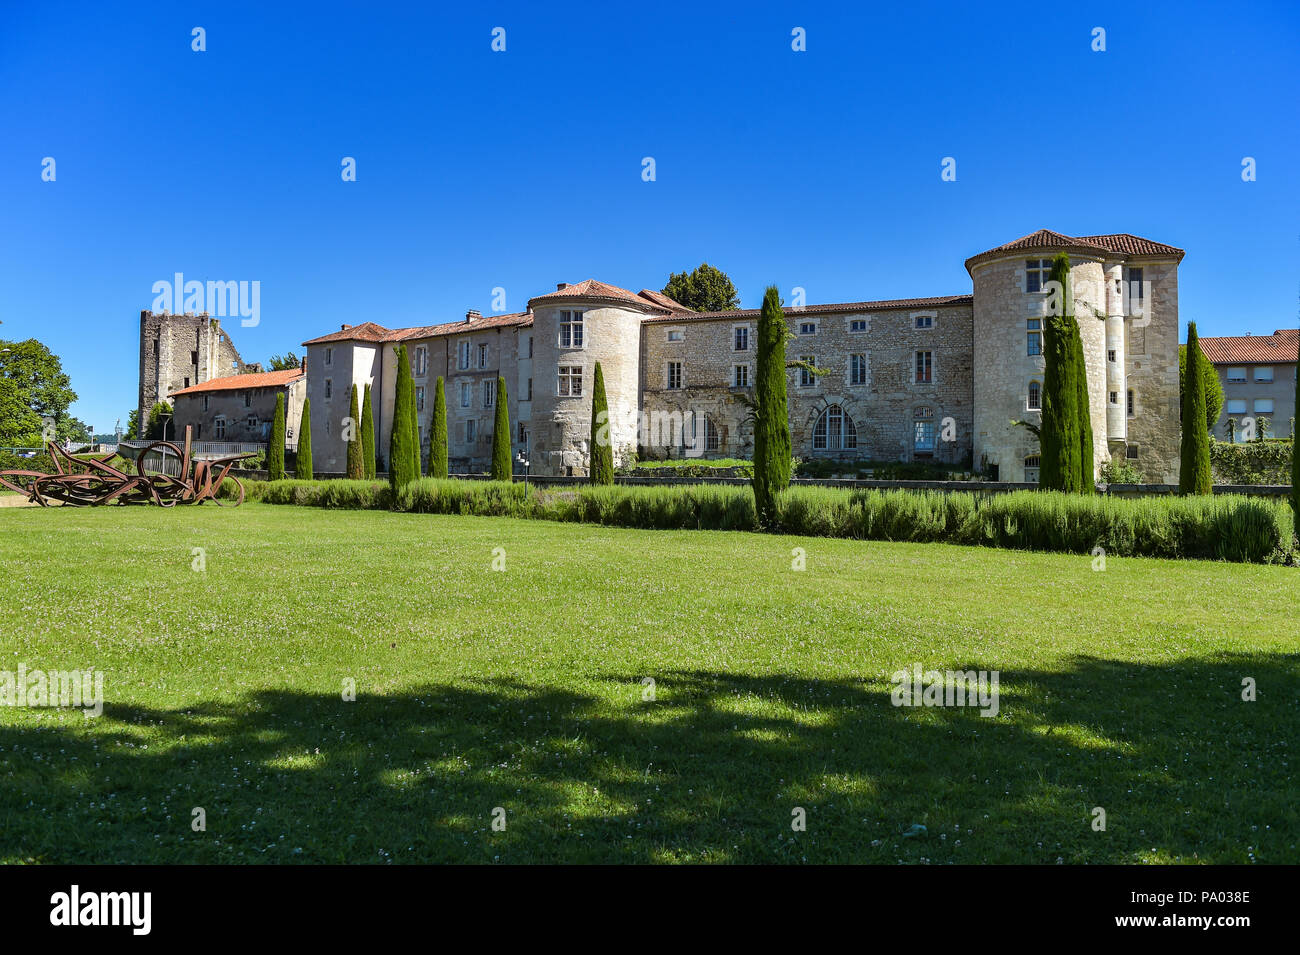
(522,690)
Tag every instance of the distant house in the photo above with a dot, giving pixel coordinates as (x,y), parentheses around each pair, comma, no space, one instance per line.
(240,408)
(1258,373)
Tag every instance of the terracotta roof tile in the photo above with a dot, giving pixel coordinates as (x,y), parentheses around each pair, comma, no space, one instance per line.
(843,307)
(263,379)
(1121,243)
(1253,349)
(372,334)
(365,332)
(591,290)
(659,298)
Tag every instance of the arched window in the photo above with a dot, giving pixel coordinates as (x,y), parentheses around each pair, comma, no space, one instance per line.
(711,438)
(1035,396)
(834,431)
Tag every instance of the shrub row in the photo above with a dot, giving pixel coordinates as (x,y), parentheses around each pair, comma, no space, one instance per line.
(1252,462)
(1222,527)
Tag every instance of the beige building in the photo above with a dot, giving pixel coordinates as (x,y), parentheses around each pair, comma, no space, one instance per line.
(1258,374)
(923,379)
(241,408)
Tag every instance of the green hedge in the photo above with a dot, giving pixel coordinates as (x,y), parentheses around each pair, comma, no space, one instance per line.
(1252,462)
(1222,527)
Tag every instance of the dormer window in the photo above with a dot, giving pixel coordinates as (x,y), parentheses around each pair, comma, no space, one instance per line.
(570,329)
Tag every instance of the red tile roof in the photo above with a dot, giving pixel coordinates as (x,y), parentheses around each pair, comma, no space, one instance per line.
(371,334)
(262,379)
(592,291)
(365,332)
(843,307)
(659,298)
(1045,239)
(1253,349)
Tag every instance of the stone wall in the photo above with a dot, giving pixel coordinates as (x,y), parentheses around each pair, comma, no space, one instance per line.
(177,351)
(247,414)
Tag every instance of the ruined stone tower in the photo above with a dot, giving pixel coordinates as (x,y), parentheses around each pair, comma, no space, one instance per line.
(177,351)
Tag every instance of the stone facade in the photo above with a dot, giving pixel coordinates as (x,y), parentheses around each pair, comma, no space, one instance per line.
(932,379)
(240,408)
(178,351)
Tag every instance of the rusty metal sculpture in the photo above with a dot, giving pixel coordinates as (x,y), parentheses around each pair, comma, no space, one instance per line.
(101,483)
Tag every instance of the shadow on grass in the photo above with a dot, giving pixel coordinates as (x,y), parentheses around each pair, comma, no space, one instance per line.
(711,770)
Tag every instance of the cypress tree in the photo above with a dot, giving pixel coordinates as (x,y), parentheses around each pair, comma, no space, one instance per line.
(771,415)
(1194,473)
(400,438)
(416,450)
(275,451)
(303,470)
(368,437)
(501,470)
(601,467)
(1087,476)
(1060,439)
(438,433)
(356,465)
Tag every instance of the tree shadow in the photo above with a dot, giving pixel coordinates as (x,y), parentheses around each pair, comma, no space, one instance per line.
(714,768)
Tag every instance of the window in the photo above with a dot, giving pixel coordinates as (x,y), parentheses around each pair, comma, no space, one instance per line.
(857,369)
(523,433)
(1114,397)
(329,388)
(1110,355)
(1132,404)
(219,426)
(489,393)
(923,436)
(1134,286)
(187,383)
(740,339)
(834,431)
(469,432)
(858,325)
(462,355)
(674,375)
(806,377)
(194,358)
(570,380)
(1035,402)
(248,399)
(1037,272)
(419,398)
(1263,406)
(740,376)
(205,402)
(329,356)
(1237,406)
(530,346)
(924,367)
(465,394)
(1034,336)
(925,321)
(530,390)
(571,329)
(712,441)
(674,334)
(1263,372)
(421,361)
(1236,374)
(1032,463)
(251,422)
(1131,452)
(807,328)
(482,356)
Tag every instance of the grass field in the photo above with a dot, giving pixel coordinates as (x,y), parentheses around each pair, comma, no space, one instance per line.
(522,689)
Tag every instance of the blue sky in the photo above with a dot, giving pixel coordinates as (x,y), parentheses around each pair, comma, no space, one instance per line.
(476,169)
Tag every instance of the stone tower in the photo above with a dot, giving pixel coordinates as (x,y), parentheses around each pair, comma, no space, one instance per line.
(177,351)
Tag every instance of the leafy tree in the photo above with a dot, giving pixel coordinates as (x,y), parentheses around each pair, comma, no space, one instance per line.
(771,416)
(368,437)
(705,290)
(285,362)
(159,415)
(275,452)
(132,424)
(1213,386)
(356,453)
(438,433)
(501,469)
(601,467)
(1194,474)
(1060,436)
(303,469)
(401,455)
(37,383)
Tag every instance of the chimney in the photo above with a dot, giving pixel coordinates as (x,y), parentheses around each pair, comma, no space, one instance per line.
(472,314)
(304,364)
(561,286)
(344,328)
